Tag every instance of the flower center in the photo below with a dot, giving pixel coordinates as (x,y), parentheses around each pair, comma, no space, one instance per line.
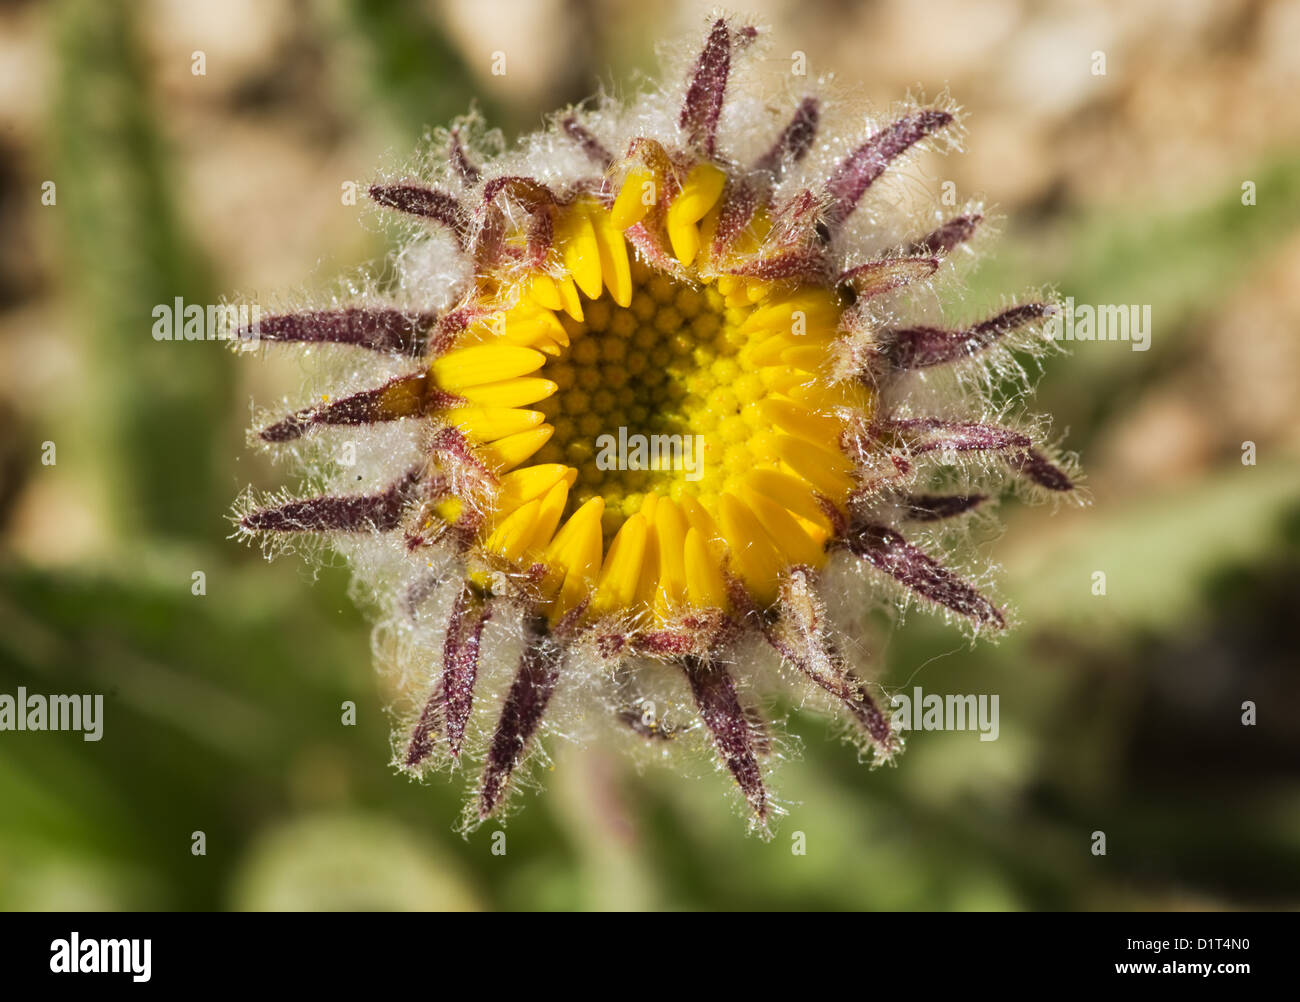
(653,435)
(658,397)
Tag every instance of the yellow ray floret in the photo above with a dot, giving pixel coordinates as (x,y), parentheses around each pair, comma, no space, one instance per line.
(704,584)
(785,533)
(568,292)
(670,531)
(507,453)
(614,264)
(573,558)
(487,363)
(616,585)
(581,252)
(509,392)
(520,486)
(638,194)
(753,556)
(487,424)
(702,189)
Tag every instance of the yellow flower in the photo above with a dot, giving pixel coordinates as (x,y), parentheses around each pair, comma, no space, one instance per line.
(670,397)
(721,384)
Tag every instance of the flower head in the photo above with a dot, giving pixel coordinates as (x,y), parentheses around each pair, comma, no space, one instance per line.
(657,410)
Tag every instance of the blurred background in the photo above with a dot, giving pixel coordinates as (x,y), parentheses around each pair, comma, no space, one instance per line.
(1120,713)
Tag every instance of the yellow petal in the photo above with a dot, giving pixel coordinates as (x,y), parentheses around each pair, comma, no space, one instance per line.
(531,482)
(789,416)
(507,453)
(704,585)
(808,313)
(484,363)
(755,560)
(580,251)
(509,392)
(630,207)
(774,348)
(569,297)
(819,396)
(619,574)
(727,284)
(487,424)
(670,532)
(702,189)
(548,517)
(648,578)
(782,379)
(809,357)
(826,470)
(575,553)
(789,492)
(544,293)
(737,300)
(512,536)
(614,264)
(526,324)
(698,518)
(816,531)
(572,532)
(786,535)
(685,240)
